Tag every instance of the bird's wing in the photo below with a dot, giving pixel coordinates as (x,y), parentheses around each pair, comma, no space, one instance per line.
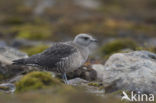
(50,57)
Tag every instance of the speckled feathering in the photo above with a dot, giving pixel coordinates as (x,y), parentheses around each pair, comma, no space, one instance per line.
(58,58)
(61,57)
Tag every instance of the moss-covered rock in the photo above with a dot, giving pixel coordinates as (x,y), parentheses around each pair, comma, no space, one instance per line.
(34,50)
(116,46)
(36,80)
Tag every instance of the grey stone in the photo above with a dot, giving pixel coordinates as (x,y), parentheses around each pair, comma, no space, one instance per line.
(135,71)
(99,69)
(77,81)
(7,87)
(7,55)
(7,70)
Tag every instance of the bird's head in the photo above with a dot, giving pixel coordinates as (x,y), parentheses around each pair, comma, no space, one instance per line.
(84,40)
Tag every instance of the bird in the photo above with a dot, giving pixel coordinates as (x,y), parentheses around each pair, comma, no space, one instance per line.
(62,57)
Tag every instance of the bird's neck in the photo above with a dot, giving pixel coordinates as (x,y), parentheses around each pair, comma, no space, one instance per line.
(83,50)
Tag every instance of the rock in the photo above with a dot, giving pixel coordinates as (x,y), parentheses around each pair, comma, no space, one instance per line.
(89,87)
(7,87)
(9,71)
(77,81)
(2,44)
(7,55)
(134,71)
(151,42)
(99,68)
(96,88)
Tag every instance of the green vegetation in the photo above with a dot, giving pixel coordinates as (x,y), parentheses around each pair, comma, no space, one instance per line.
(94,84)
(111,18)
(63,20)
(116,46)
(34,50)
(151,49)
(34,32)
(36,80)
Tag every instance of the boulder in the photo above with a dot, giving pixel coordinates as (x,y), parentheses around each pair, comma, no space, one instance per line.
(134,71)
(98,68)
(7,55)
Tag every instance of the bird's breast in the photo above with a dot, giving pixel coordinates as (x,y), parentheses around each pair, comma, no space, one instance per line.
(75,61)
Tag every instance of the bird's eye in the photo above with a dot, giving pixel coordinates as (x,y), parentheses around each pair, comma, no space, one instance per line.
(86,38)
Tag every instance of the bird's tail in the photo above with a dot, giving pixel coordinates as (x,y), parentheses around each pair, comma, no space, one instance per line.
(19,62)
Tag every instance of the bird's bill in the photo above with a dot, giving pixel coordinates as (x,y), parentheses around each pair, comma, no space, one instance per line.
(94,40)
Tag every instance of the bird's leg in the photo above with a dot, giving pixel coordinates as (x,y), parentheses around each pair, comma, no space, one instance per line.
(64,77)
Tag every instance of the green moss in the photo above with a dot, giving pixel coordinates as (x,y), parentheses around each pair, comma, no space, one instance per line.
(97,85)
(151,49)
(34,32)
(36,80)
(94,84)
(116,46)
(34,50)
